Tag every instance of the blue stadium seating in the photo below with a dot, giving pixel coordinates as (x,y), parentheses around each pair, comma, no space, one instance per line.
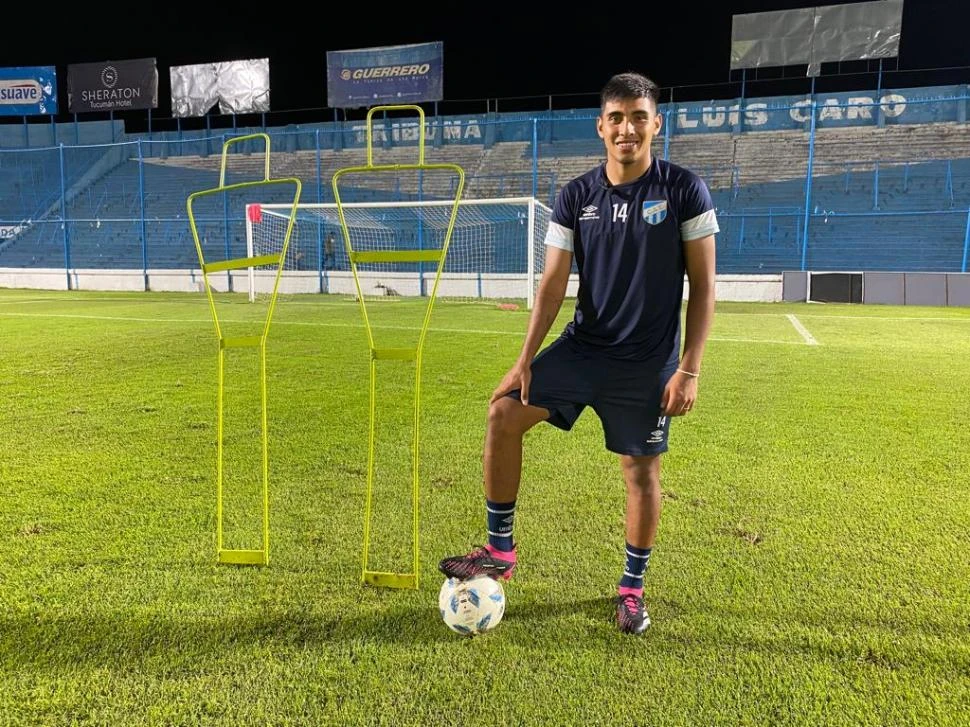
(868,214)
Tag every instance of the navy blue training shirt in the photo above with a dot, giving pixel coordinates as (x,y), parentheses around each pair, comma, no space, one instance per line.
(628,241)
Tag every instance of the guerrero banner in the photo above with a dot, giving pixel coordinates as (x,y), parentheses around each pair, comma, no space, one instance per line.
(28,91)
(397,74)
(112,86)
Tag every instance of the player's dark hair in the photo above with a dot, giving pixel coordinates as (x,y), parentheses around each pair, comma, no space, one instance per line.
(629,85)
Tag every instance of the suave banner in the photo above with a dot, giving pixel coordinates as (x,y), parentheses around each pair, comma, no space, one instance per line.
(28,91)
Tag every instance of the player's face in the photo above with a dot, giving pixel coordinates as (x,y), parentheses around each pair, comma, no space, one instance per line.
(627,127)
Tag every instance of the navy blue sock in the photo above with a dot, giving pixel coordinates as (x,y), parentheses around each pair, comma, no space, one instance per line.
(501,517)
(637,560)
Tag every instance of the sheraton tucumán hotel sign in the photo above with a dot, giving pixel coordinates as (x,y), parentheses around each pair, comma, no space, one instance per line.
(112,86)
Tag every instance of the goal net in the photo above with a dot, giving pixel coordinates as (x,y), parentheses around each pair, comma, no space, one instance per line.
(496,250)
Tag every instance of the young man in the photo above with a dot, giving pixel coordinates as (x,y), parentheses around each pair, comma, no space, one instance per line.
(635,225)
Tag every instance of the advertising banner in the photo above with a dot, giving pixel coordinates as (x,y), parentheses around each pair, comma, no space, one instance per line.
(112,86)
(28,91)
(400,74)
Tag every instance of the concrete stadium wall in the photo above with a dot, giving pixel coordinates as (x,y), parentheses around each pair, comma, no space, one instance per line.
(752,288)
(902,288)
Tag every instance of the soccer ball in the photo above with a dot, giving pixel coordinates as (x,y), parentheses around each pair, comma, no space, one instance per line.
(472,606)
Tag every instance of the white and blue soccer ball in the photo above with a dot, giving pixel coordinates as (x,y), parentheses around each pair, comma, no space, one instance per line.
(471,606)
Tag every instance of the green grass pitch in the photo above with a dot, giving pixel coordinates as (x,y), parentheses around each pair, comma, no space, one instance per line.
(811,566)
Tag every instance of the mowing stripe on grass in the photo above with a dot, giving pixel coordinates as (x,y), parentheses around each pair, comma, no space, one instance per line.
(320,324)
(327,300)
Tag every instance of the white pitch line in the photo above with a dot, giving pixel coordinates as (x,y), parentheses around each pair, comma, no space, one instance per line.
(809,338)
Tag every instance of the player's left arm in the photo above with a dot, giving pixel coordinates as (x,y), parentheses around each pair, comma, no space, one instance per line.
(699,260)
(681,391)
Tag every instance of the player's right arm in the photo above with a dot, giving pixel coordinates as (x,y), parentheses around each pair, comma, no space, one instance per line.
(548,301)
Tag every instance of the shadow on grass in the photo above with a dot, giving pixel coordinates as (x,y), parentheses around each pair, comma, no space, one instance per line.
(44,640)
(162,642)
(34,639)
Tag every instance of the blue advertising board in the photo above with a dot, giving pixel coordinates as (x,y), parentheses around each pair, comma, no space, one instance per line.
(400,74)
(28,91)
(832,110)
(921,105)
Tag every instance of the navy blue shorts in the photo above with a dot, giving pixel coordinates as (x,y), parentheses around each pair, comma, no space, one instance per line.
(568,376)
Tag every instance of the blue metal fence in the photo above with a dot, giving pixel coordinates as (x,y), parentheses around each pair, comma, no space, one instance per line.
(824,196)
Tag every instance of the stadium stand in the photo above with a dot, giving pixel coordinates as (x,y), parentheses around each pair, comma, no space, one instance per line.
(875,190)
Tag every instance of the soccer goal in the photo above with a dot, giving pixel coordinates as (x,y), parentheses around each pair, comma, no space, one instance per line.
(496,250)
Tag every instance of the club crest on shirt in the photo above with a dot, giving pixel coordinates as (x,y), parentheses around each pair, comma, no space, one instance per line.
(655,211)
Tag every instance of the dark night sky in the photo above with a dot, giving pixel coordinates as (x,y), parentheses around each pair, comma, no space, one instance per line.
(490,51)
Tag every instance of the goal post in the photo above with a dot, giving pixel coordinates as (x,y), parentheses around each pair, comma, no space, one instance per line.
(496,250)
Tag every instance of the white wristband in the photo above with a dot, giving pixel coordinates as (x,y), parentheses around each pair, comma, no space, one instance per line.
(692,374)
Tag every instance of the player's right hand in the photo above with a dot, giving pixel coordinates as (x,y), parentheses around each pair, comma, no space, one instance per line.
(518,377)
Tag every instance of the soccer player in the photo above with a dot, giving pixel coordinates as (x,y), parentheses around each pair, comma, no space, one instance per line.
(635,224)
